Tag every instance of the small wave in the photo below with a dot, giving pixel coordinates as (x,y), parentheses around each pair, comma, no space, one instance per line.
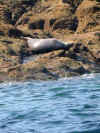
(88,76)
(42,83)
(85,76)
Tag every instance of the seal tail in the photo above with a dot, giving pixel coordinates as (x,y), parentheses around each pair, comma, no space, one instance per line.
(68,45)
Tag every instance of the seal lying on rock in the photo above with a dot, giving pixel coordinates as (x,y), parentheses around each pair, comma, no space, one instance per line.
(46,45)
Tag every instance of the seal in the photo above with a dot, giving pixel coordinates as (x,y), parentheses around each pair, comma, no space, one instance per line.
(46,45)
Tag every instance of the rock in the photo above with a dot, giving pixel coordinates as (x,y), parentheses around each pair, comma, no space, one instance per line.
(47,17)
(88,14)
(77,21)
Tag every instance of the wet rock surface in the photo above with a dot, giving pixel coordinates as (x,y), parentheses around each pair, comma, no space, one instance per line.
(68,21)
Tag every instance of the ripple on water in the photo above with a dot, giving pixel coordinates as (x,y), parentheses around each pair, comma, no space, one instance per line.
(68,105)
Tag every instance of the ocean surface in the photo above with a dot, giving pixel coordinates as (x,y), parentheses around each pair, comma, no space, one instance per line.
(69,105)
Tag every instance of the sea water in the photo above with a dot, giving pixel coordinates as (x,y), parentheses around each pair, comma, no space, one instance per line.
(69,105)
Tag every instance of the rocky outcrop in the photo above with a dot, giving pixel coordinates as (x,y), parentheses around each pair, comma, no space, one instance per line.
(88,14)
(77,21)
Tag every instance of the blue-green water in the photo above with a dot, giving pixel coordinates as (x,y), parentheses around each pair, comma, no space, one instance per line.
(64,106)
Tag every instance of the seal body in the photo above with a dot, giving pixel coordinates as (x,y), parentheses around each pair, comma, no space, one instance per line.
(46,45)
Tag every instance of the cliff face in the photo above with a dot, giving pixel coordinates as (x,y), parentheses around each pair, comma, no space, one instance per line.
(67,20)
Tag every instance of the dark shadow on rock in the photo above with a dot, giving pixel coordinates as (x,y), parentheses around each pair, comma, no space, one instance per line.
(81,58)
(54,75)
(15,33)
(25,21)
(11,15)
(73,3)
(8,16)
(37,25)
(66,24)
(2,33)
(7,42)
(29,2)
(81,70)
(52,21)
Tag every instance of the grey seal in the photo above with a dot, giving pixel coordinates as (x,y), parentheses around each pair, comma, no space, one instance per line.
(47,45)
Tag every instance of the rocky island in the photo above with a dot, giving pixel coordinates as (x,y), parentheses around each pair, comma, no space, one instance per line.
(75,21)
